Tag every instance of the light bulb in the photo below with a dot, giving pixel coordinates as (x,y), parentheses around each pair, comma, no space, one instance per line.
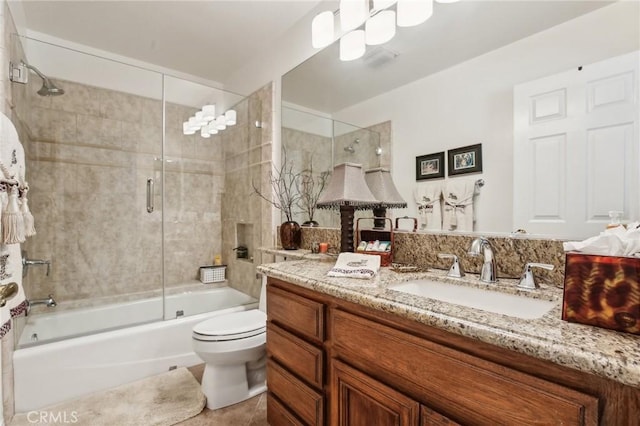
(204,133)
(221,123)
(380,28)
(353,13)
(193,123)
(230,117)
(209,112)
(414,12)
(211,128)
(352,45)
(200,118)
(322,30)
(187,129)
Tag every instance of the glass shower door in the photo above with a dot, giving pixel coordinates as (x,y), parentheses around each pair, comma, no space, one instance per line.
(93,163)
(194,186)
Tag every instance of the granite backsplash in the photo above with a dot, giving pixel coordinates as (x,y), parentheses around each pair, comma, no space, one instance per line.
(421,249)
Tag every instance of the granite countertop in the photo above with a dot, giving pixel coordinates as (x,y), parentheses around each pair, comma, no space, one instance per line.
(606,353)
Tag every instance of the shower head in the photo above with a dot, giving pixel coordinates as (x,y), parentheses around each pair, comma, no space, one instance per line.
(350,148)
(48,88)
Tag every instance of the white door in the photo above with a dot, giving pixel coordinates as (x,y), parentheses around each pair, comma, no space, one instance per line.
(577,148)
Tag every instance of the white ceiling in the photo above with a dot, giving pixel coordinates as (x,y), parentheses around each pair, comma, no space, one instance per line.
(208,39)
(212,39)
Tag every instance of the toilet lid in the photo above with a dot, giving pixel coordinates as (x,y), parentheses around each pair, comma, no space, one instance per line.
(236,325)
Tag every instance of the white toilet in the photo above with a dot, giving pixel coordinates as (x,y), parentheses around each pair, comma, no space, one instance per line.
(233,347)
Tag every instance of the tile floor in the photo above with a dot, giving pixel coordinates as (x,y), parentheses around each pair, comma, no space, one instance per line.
(252,412)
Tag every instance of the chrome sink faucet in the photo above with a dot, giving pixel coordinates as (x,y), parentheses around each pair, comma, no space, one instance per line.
(488,274)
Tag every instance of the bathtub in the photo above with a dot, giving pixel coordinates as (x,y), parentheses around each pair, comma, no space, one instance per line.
(56,368)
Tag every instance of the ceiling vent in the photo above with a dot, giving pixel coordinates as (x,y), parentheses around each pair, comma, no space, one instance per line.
(378,57)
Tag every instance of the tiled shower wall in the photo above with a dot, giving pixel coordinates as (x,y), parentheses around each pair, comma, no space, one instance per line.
(246,218)
(89,155)
(309,151)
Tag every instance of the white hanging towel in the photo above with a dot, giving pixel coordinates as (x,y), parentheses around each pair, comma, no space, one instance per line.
(428,196)
(458,205)
(12,174)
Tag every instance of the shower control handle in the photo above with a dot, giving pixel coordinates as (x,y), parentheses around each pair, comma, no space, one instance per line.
(26,262)
(149,195)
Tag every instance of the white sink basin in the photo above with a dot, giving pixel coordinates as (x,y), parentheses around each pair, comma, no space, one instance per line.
(487,300)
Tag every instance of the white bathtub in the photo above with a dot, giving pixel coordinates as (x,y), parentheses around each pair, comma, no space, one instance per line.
(49,373)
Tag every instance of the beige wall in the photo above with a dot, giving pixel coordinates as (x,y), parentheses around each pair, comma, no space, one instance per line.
(89,155)
(246,218)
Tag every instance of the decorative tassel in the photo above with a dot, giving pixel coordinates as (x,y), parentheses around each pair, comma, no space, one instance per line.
(29,223)
(12,220)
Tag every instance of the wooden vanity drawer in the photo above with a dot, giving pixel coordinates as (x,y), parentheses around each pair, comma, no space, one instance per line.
(478,391)
(295,354)
(278,415)
(305,402)
(297,314)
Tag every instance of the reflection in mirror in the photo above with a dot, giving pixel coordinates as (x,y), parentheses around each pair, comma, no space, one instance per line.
(315,144)
(439,92)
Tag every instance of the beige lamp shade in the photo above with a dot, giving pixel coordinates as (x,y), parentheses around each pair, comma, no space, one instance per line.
(348,191)
(382,187)
(347,187)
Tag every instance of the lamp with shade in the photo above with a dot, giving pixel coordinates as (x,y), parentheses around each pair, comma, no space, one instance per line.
(348,191)
(381,186)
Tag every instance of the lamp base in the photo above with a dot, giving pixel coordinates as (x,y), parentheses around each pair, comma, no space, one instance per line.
(379,214)
(346,228)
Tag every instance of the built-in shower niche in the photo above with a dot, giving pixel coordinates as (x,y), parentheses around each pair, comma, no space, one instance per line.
(244,247)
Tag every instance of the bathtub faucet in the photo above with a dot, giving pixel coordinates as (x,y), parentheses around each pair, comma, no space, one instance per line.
(49,301)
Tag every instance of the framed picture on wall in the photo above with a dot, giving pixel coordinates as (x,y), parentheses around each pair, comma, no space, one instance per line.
(430,166)
(467,159)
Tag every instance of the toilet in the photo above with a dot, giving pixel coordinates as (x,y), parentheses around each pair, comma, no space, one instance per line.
(233,348)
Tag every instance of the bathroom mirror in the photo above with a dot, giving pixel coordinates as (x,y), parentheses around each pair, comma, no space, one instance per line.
(315,143)
(449,83)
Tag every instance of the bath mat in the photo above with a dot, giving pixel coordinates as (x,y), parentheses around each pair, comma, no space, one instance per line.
(161,400)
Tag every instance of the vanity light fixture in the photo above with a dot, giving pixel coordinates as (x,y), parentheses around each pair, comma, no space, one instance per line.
(352,45)
(206,122)
(412,13)
(379,23)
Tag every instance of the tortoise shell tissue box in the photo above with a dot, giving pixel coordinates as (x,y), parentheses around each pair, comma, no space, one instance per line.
(603,291)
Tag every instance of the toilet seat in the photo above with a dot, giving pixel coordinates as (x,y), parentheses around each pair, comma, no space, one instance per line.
(233,326)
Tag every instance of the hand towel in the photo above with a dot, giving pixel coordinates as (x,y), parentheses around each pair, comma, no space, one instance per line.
(355,265)
(428,196)
(458,205)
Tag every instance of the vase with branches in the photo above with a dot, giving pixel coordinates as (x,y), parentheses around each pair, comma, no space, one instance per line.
(310,186)
(285,196)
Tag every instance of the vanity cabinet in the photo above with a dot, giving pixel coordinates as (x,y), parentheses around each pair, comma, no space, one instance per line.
(296,361)
(335,362)
(466,389)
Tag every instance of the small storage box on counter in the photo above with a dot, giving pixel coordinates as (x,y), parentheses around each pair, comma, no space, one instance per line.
(212,274)
(384,238)
(603,291)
